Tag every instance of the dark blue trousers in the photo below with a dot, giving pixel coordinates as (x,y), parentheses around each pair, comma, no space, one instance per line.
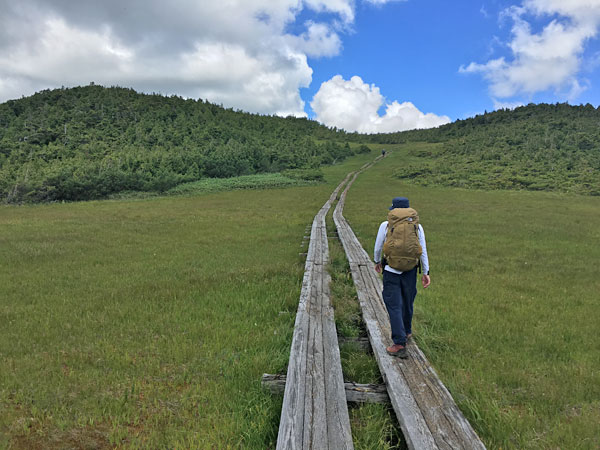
(399,292)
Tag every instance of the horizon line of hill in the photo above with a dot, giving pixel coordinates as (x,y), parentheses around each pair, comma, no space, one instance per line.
(91,142)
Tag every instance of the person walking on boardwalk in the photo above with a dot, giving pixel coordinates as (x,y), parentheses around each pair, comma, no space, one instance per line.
(400,248)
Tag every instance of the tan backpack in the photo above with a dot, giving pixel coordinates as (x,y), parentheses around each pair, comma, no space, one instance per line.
(402,249)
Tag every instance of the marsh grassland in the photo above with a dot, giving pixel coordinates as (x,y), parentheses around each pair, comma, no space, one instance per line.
(148,323)
(510,321)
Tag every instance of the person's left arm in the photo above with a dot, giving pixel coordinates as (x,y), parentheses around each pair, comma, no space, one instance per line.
(425,279)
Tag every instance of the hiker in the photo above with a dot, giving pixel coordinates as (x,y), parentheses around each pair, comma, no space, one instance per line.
(400,249)
(383,152)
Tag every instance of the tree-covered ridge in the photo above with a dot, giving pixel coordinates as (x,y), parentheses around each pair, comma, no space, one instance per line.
(88,142)
(536,147)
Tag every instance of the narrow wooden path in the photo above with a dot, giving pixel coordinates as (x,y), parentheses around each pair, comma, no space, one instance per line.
(315,413)
(426,411)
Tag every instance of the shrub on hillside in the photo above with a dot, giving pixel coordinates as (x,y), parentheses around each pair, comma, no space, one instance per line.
(304,174)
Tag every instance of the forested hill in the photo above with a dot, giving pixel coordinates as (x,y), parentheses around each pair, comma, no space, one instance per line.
(88,142)
(535,147)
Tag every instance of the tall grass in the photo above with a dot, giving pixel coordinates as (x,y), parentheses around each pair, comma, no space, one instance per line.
(149,323)
(511,318)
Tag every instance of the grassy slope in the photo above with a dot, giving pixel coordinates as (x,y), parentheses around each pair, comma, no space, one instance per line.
(149,323)
(511,318)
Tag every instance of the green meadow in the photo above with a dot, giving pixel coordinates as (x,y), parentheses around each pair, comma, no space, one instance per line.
(147,323)
(511,319)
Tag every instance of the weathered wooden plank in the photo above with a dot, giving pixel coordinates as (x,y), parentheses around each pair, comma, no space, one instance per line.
(354,392)
(315,420)
(308,357)
(318,257)
(310,254)
(353,255)
(431,408)
(412,384)
(366,393)
(448,426)
(338,421)
(412,422)
(463,435)
(324,244)
(314,413)
(362,254)
(292,412)
(413,425)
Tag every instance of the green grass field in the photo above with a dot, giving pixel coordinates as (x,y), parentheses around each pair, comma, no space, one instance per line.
(511,318)
(148,323)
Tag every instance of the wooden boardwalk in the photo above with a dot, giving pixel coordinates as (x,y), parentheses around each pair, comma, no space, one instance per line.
(315,413)
(426,411)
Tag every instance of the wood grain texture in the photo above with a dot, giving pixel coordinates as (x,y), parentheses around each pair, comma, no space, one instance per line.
(355,392)
(315,412)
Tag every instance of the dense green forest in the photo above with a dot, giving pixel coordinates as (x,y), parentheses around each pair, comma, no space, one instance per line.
(535,147)
(89,142)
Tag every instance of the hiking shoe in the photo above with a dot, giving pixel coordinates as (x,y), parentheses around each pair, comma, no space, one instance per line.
(397,350)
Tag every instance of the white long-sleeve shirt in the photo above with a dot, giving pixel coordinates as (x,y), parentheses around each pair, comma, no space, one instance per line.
(379,248)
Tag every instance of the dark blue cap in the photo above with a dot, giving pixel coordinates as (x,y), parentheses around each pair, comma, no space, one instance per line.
(400,202)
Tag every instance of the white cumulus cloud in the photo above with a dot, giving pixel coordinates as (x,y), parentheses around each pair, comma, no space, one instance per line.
(237,52)
(382,2)
(318,40)
(549,59)
(345,8)
(353,105)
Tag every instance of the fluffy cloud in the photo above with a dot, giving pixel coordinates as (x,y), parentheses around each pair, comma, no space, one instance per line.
(353,106)
(581,10)
(550,59)
(342,7)
(235,52)
(318,40)
(383,2)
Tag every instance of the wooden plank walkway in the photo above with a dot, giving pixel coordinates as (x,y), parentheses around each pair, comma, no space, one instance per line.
(426,411)
(315,413)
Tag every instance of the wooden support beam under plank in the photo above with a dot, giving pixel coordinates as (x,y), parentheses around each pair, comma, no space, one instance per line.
(362,343)
(355,392)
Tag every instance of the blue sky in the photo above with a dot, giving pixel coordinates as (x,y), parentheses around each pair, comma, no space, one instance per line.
(366,65)
(413,51)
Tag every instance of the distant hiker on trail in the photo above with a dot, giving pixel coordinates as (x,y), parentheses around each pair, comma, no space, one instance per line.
(383,152)
(401,239)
